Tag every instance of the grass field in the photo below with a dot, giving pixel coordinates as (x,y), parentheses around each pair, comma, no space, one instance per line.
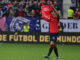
(17,51)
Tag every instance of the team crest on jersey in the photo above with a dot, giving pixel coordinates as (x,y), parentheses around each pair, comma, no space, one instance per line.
(17,24)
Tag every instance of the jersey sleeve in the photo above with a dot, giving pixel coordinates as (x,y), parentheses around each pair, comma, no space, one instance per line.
(51,9)
(46,15)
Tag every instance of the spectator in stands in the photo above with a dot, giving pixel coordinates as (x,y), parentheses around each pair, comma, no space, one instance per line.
(21,5)
(15,7)
(1,12)
(15,4)
(42,2)
(76,14)
(11,13)
(48,2)
(55,2)
(26,11)
(32,13)
(38,8)
(20,13)
(35,4)
(6,1)
(10,5)
(31,6)
(70,13)
(3,2)
(5,8)
(34,7)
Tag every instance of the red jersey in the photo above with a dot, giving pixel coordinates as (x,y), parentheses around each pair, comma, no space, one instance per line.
(46,15)
(46,12)
(54,28)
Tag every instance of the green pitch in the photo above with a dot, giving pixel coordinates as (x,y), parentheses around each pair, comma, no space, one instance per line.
(14,51)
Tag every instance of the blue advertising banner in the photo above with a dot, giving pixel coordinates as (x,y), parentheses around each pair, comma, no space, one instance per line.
(16,24)
(34,24)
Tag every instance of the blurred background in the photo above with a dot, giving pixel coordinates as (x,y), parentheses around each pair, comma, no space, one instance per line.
(14,8)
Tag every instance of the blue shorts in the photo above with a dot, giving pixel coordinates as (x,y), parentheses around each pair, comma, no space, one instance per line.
(53,37)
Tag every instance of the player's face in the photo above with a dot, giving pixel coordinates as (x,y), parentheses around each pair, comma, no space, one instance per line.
(53,14)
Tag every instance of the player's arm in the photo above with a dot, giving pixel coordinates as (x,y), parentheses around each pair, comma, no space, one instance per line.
(57,13)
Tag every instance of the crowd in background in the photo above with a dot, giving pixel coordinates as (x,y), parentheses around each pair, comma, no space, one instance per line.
(74,10)
(22,8)
(32,8)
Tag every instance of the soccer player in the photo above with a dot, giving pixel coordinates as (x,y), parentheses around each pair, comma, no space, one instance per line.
(51,15)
